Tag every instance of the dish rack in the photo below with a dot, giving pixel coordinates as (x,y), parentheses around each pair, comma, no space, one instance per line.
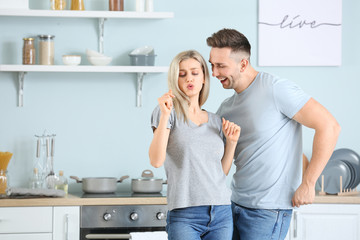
(342,192)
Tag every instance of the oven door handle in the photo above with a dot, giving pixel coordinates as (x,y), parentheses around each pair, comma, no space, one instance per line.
(108,236)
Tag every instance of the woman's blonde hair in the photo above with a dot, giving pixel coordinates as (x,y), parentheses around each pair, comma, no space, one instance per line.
(181,101)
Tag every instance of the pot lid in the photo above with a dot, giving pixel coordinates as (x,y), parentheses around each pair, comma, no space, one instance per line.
(147,175)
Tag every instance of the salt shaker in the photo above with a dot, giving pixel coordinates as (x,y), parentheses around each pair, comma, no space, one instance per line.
(46,49)
(28,51)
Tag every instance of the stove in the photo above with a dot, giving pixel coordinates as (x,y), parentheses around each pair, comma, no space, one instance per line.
(117,222)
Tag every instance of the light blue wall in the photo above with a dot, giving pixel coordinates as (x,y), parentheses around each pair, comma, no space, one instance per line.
(99,130)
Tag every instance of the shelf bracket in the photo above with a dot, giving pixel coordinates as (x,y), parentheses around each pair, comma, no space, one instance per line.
(140,78)
(21,89)
(101,34)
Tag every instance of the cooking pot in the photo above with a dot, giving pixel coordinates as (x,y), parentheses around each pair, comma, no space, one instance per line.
(99,184)
(147,183)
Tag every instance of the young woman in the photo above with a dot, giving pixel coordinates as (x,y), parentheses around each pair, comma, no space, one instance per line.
(189,140)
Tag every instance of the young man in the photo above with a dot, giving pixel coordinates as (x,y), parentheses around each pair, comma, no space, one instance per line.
(270,110)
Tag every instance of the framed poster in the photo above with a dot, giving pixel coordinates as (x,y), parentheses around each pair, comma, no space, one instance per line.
(299,32)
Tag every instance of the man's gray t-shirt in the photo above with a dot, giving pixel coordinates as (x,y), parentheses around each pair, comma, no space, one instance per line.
(269,150)
(193,162)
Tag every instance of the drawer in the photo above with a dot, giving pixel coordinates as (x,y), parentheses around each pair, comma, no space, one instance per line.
(29,236)
(26,220)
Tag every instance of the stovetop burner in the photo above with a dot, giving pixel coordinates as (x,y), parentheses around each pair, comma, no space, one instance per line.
(118,195)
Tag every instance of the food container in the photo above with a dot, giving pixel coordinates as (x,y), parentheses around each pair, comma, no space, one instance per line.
(147,183)
(58,4)
(77,5)
(28,51)
(46,49)
(99,184)
(142,59)
(116,5)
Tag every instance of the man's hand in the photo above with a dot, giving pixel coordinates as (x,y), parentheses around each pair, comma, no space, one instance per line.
(305,194)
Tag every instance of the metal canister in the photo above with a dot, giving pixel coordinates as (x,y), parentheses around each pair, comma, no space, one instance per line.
(46,49)
(28,51)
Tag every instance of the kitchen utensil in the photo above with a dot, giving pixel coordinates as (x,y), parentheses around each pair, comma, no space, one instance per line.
(351,157)
(51,178)
(92,53)
(99,184)
(147,183)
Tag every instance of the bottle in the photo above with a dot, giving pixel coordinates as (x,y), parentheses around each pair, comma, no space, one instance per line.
(46,49)
(62,183)
(35,181)
(116,5)
(149,5)
(28,51)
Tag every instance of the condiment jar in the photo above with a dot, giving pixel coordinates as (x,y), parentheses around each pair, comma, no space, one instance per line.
(28,51)
(116,5)
(4,183)
(58,4)
(46,49)
(77,5)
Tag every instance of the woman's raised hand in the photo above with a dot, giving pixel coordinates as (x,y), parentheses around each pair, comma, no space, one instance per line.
(230,130)
(166,102)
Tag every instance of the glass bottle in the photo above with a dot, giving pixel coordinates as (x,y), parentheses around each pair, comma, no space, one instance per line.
(62,183)
(46,49)
(35,181)
(77,5)
(116,5)
(28,51)
(4,183)
(57,4)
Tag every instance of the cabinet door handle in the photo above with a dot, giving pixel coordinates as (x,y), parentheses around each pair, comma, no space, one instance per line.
(67,227)
(295,224)
(108,236)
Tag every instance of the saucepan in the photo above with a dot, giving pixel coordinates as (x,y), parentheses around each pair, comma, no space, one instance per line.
(99,184)
(147,183)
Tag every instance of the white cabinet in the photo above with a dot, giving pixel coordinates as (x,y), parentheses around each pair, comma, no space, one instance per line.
(66,223)
(26,223)
(325,221)
(40,223)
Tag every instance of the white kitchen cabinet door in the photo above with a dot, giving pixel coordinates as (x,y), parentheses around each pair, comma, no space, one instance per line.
(66,223)
(326,221)
(30,236)
(25,220)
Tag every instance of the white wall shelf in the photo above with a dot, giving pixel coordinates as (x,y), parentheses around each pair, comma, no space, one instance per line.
(85,14)
(21,70)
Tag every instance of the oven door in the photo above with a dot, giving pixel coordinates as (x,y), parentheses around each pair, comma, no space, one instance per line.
(114,233)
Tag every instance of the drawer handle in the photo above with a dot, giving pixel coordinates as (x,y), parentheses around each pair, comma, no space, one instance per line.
(108,236)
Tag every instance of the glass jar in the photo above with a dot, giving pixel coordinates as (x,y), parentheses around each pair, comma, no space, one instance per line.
(57,4)
(28,51)
(116,5)
(4,183)
(46,49)
(77,5)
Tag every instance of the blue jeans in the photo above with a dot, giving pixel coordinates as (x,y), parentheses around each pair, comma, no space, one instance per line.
(202,222)
(260,224)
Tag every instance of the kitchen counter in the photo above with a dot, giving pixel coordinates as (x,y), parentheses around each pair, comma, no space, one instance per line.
(73,200)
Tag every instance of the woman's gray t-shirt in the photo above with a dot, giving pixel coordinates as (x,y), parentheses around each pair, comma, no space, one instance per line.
(193,162)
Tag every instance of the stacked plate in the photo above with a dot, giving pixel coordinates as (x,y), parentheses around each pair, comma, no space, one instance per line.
(343,162)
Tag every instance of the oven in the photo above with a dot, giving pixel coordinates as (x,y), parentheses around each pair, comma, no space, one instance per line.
(117,222)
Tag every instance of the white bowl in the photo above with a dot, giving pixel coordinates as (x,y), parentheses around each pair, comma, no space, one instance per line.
(92,53)
(145,50)
(71,60)
(99,61)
